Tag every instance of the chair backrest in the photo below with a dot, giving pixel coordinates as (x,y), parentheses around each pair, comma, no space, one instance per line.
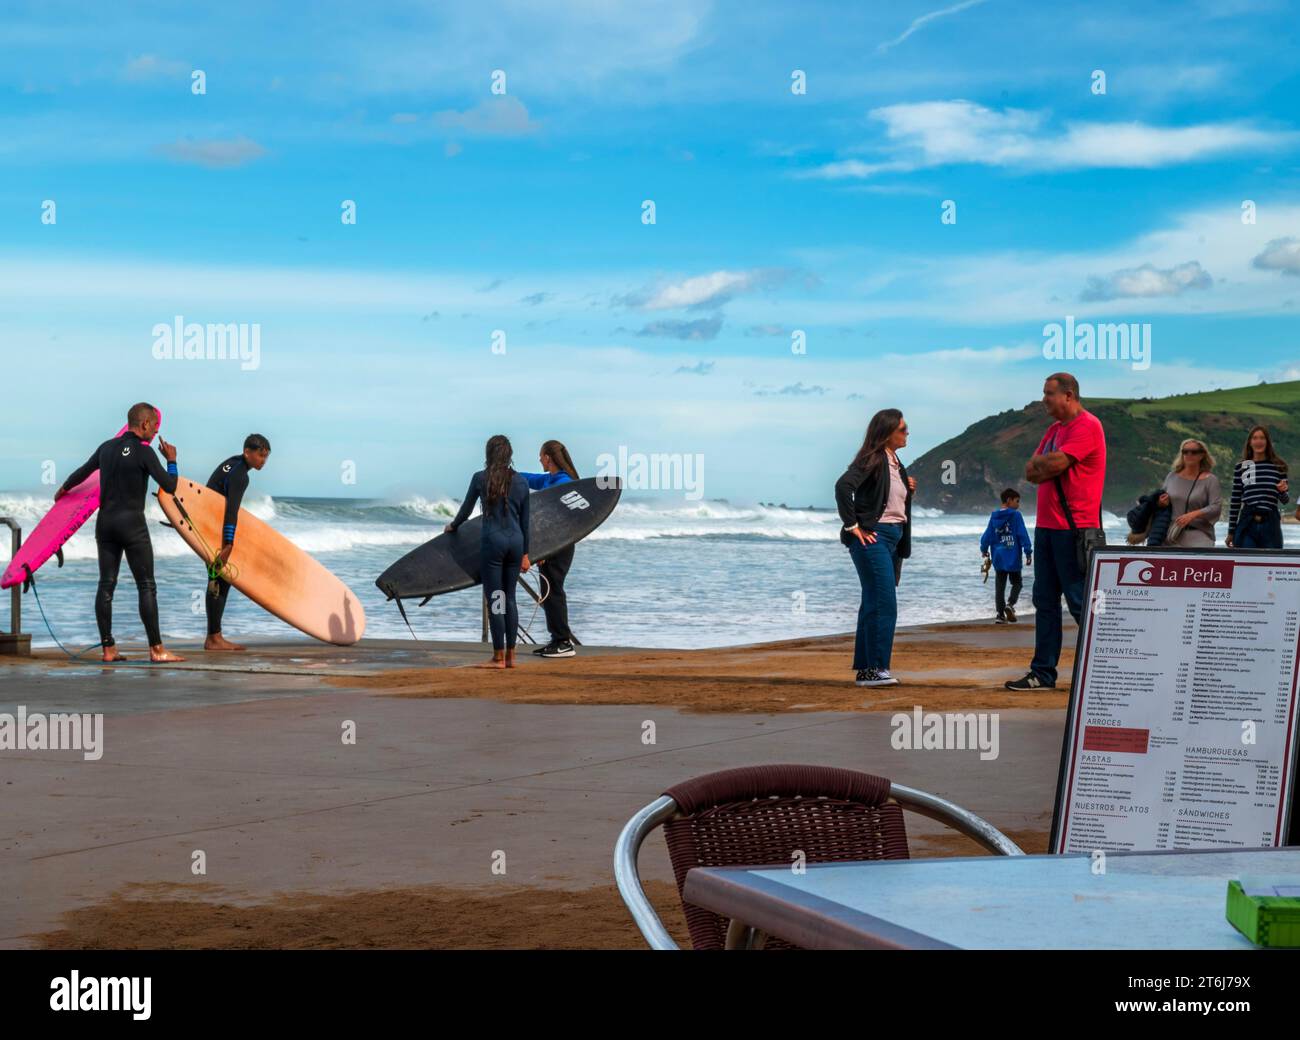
(761,815)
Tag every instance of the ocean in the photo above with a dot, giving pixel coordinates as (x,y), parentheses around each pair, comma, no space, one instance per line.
(661,572)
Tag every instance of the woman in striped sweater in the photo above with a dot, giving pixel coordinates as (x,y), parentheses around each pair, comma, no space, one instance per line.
(1258,488)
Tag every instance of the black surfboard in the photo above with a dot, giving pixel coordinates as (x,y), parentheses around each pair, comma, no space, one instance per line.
(558,517)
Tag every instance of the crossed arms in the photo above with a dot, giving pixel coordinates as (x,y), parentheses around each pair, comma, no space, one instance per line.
(1041,468)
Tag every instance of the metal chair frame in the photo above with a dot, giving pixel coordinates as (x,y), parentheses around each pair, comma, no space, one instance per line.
(663,809)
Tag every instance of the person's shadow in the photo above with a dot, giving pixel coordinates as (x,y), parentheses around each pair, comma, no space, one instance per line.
(345,629)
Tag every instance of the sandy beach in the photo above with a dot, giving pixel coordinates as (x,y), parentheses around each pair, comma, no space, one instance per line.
(309,842)
(942,667)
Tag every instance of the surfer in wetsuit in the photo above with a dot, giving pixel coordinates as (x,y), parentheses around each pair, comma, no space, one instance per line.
(125,465)
(231,480)
(504,544)
(559,469)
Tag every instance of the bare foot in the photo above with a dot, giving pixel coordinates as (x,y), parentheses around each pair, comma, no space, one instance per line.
(220,642)
(159,655)
(510,658)
(111,655)
(498,660)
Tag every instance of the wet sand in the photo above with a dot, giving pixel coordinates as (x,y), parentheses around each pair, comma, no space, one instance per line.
(945,668)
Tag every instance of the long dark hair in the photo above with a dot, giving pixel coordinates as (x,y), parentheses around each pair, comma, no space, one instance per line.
(560,456)
(1269,454)
(498,465)
(879,430)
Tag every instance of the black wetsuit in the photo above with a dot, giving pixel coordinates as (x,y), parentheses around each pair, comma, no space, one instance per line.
(231,480)
(125,465)
(504,544)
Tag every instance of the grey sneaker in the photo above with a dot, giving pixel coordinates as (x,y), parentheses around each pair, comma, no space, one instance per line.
(1029,682)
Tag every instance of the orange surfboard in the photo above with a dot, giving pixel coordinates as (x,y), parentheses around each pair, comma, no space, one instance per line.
(267,567)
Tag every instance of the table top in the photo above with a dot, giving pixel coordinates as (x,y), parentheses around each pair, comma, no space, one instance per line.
(1150,900)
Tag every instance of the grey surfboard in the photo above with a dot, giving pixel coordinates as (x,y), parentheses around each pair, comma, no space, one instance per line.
(559,516)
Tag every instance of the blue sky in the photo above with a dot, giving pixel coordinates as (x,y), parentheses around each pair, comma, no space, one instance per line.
(522,212)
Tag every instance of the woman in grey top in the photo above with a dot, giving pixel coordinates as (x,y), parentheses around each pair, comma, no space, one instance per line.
(1194,493)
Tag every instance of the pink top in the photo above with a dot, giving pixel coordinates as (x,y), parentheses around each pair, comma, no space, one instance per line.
(896,501)
(1084,441)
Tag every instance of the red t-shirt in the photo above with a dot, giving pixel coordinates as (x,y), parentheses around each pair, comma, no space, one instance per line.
(1083,439)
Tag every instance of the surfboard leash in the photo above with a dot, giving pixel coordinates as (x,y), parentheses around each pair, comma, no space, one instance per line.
(402,610)
(227,572)
(537,600)
(31,584)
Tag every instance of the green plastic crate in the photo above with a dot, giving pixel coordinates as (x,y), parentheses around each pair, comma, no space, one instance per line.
(1266,911)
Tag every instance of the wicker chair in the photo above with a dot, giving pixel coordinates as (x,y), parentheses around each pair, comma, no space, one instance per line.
(758,815)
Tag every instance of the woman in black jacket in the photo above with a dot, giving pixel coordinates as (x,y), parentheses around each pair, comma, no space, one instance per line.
(874,498)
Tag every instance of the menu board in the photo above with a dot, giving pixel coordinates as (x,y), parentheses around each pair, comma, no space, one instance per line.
(1181,731)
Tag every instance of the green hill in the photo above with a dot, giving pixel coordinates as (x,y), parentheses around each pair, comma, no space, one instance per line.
(1142,436)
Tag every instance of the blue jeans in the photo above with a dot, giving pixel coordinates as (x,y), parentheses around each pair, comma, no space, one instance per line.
(1264,533)
(1055,572)
(878,612)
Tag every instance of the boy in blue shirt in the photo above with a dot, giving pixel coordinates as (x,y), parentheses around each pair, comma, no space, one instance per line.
(1007,537)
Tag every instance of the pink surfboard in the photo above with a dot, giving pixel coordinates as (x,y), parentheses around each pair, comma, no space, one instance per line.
(58,525)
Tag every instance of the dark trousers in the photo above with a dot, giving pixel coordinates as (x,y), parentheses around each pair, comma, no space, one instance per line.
(556,604)
(878,610)
(1258,529)
(1000,589)
(501,555)
(118,534)
(1056,573)
(215,601)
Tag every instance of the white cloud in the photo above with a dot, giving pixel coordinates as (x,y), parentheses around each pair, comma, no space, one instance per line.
(988,288)
(702,368)
(703,329)
(1148,281)
(939,133)
(218,154)
(707,290)
(504,116)
(150,66)
(1140,145)
(558,49)
(999,355)
(1281,254)
(917,23)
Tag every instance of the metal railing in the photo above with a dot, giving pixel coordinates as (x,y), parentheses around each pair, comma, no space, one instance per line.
(13,641)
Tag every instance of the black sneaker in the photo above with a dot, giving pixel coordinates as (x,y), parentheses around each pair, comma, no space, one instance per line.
(1011,614)
(560,648)
(874,677)
(865,677)
(542,649)
(999,620)
(1029,682)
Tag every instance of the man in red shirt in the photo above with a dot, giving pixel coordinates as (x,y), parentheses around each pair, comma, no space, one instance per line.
(1073,451)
